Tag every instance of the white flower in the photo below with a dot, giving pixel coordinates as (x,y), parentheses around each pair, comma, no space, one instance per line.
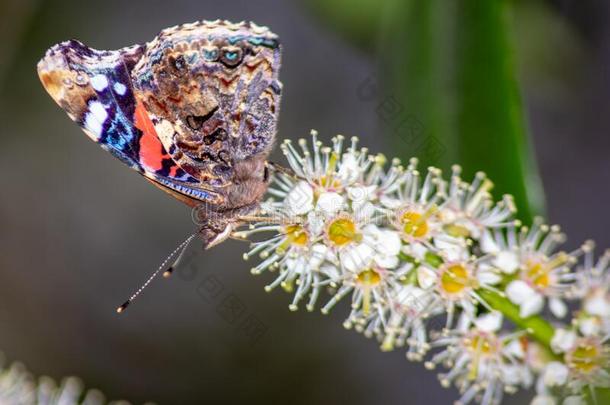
(325,221)
(18,386)
(374,247)
(490,322)
(415,207)
(585,364)
(408,248)
(468,209)
(404,318)
(481,362)
(330,203)
(456,282)
(542,273)
(593,288)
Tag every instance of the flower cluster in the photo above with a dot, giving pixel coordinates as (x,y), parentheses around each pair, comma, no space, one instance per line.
(18,386)
(410,247)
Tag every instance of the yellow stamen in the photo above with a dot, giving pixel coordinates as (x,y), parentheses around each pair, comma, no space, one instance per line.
(368,279)
(296,235)
(416,224)
(481,346)
(342,231)
(538,273)
(327,180)
(585,357)
(455,278)
(457,230)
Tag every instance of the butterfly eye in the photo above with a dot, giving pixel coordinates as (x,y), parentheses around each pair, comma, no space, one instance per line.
(210,54)
(231,57)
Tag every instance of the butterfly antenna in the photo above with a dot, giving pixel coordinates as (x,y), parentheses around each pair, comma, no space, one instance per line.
(181,248)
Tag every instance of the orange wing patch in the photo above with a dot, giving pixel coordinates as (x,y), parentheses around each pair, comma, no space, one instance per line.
(152,152)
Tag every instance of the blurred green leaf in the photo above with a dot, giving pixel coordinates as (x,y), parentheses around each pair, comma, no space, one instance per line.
(357,20)
(450,86)
(450,65)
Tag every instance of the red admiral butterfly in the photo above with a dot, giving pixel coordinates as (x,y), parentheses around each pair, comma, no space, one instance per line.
(194,111)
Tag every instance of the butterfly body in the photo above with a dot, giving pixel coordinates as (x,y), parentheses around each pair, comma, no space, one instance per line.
(194,110)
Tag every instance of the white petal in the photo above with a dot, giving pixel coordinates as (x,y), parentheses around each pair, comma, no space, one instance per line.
(506,261)
(543,400)
(490,322)
(532,306)
(558,307)
(389,242)
(426,277)
(589,326)
(598,304)
(511,374)
(363,212)
(330,203)
(452,249)
(574,400)
(563,340)
(387,262)
(488,277)
(417,250)
(300,199)
(555,374)
(356,258)
(518,291)
(360,194)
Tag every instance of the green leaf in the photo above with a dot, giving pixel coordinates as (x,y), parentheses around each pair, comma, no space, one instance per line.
(452,96)
(356,20)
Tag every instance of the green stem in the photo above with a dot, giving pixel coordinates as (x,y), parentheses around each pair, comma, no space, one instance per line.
(540,330)
(536,326)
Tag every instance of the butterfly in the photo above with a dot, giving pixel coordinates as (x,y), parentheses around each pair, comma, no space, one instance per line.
(194,111)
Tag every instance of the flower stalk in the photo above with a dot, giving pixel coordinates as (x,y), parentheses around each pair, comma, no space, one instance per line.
(411,248)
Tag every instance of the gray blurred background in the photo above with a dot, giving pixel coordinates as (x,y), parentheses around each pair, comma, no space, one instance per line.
(79,231)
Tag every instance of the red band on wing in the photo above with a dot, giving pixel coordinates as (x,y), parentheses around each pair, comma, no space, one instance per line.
(152,152)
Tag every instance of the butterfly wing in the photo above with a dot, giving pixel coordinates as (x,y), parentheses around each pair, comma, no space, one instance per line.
(194,110)
(95,89)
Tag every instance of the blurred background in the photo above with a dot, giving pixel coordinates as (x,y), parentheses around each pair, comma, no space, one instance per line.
(520,89)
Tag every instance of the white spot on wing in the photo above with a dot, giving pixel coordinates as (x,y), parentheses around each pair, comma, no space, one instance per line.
(119,88)
(95,117)
(99,82)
